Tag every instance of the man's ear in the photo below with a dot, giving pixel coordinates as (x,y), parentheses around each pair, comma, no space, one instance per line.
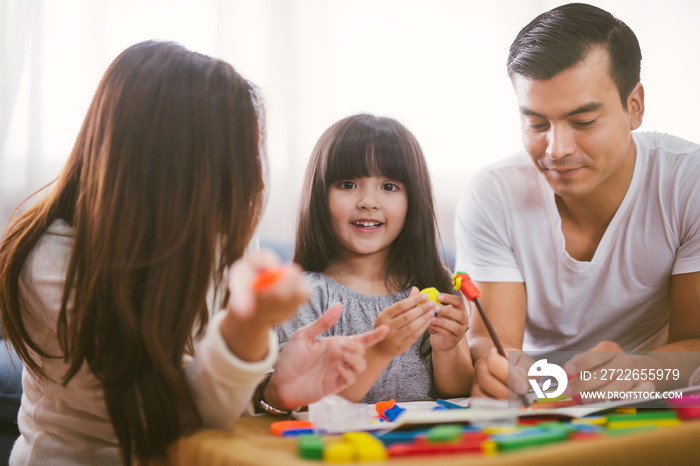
(635,106)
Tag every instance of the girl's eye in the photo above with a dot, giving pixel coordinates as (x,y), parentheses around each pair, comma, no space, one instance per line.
(390,187)
(347,185)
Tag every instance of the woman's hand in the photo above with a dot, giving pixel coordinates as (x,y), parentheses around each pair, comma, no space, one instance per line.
(251,313)
(309,368)
(272,304)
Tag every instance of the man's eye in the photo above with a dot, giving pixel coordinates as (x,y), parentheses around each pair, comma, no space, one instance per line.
(538,126)
(584,123)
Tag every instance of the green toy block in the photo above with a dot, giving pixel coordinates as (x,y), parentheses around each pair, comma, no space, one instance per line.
(311,447)
(444,433)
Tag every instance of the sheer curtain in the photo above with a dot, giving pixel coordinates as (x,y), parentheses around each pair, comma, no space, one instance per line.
(438,67)
(14,18)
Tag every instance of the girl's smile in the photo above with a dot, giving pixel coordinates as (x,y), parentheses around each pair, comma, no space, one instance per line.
(367,225)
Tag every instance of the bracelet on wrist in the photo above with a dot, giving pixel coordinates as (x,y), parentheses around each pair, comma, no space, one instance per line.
(263,406)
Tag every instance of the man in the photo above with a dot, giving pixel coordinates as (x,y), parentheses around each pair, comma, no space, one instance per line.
(593,243)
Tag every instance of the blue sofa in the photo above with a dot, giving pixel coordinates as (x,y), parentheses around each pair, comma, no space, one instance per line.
(10,397)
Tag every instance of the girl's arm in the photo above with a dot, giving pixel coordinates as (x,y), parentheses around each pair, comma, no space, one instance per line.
(453,372)
(407,320)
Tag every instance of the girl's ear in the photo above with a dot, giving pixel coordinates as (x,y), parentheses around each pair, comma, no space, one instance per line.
(635,106)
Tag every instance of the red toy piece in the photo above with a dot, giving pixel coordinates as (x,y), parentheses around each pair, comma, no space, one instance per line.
(280,427)
(463,283)
(268,278)
(469,443)
(382,406)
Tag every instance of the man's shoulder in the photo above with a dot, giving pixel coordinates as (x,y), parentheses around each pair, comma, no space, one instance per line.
(513,174)
(517,162)
(665,148)
(668,160)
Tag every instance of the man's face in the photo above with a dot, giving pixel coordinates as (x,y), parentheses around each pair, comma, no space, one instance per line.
(575,128)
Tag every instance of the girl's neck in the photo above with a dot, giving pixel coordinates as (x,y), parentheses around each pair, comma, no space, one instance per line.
(366,275)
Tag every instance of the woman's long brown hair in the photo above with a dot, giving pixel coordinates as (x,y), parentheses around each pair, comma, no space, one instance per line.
(163,189)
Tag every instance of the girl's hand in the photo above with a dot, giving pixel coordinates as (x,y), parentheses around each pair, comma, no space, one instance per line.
(450,324)
(309,368)
(252,314)
(407,320)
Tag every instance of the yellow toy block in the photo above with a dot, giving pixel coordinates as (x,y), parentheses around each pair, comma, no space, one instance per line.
(339,452)
(367,447)
(643,423)
(489,447)
(499,429)
(432,294)
(593,420)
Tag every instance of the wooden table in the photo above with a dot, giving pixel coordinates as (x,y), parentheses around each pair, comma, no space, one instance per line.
(249,442)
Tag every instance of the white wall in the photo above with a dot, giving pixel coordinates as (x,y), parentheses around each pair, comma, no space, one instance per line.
(437,66)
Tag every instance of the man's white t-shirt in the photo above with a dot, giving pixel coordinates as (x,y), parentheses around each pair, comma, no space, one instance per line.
(508,229)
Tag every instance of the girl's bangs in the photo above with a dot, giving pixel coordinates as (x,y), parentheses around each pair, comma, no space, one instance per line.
(364,155)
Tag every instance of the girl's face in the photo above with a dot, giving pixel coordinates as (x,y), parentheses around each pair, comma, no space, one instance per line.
(367,213)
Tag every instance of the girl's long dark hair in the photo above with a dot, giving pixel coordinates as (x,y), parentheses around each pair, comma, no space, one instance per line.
(366,145)
(163,189)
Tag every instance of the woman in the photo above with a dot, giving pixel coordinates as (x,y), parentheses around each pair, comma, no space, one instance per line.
(105,282)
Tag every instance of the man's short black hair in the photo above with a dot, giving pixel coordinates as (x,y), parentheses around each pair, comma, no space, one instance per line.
(560,38)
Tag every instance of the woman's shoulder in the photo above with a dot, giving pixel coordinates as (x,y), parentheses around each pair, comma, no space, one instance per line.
(50,255)
(44,272)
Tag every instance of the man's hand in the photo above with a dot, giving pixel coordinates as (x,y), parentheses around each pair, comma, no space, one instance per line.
(309,368)
(608,360)
(492,375)
(506,305)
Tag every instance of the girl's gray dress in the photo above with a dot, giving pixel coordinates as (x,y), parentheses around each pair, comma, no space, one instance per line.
(408,377)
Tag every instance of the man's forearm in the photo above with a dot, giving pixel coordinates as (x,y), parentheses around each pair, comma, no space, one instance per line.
(686,364)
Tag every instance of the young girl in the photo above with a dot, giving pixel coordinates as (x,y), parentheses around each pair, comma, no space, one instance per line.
(104,282)
(367,236)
